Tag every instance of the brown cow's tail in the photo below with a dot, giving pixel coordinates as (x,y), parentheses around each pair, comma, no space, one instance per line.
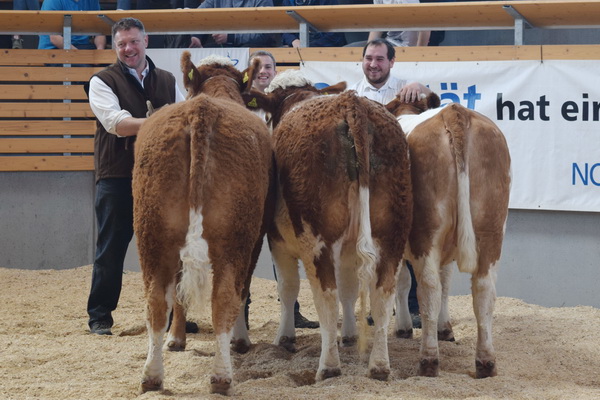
(194,288)
(457,124)
(356,117)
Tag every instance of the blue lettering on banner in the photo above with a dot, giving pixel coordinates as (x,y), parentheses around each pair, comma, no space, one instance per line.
(586,176)
(471,95)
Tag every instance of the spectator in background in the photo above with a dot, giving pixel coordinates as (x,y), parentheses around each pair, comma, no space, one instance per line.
(402,38)
(379,85)
(17,42)
(315,39)
(238,39)
(77,41)
(266,73)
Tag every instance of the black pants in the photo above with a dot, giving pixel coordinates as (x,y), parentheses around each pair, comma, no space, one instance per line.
(114,213)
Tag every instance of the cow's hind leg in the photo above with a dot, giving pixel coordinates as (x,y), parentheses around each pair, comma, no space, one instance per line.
(226,306)
(483,288)
(429,293)
(326,303)
(159,304)
(445,332)
(403,326)
(288,286)
(347,281)
(176,335)
(382,299)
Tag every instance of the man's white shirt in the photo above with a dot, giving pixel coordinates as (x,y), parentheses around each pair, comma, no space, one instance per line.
(384,94)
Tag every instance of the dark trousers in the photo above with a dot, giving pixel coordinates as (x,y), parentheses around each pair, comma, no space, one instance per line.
(114,213)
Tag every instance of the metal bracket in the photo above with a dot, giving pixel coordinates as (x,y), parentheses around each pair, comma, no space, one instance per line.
(304,26)
(67,25)
(107,19)
(520,23)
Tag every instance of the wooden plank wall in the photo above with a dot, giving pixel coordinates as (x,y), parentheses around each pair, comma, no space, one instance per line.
(46,123)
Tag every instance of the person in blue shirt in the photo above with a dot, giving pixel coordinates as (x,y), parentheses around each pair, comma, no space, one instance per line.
(237,39)
(315,39)
(77,41)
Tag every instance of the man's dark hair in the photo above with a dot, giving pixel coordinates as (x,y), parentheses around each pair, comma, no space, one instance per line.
(125,24)
(391,52)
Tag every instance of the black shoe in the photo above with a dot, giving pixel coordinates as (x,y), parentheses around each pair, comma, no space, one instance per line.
(100,328)
(370,320)
(191,327)
(301,322)
(416,320)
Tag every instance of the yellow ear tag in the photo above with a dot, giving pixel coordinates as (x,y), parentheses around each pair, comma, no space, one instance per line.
(253,103)
(191,74)
(246,78)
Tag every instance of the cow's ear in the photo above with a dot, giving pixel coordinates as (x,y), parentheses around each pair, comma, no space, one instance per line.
(433,100)
(249,74)
(394,105)
(334,89)
(191,76)
(257,100)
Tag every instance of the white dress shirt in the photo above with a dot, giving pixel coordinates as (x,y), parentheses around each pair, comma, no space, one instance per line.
(384,94)
(105,104)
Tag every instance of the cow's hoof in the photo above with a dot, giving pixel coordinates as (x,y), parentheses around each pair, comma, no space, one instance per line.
(348,341)
(151,385)
(288,343)
(446,335)
(220,385)
(240,346)
(485,369)
(404,334)
(429,368)
(176,345)
(379,373)
(328,373)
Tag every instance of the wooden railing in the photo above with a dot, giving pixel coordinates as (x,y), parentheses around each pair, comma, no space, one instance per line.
(516,15)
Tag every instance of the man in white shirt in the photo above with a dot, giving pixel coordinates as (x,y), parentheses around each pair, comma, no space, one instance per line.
(121,96)
(377,83)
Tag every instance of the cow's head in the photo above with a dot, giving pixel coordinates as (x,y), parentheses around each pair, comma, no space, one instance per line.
(287,89)
(425,102)
(229,82)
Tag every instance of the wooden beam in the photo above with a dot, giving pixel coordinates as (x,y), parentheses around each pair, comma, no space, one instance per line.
(465,15)
(41,57)
(41,146)
(42,92)
(47,74)
(46,163)
(47,128)
(46,110)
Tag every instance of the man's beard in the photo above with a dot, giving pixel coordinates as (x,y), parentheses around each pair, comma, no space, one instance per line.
(383,79)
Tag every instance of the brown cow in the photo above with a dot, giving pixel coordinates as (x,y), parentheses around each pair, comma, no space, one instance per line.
(201,184)
(460,168)
(344,208)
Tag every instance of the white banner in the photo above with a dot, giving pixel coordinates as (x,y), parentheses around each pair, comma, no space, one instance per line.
(549,112)
(170,59)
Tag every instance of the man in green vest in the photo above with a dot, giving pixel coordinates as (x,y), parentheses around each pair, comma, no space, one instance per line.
(121,96)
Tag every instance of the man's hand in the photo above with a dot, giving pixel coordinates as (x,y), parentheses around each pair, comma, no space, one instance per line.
(195,42)
(411,92)
(220,38)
